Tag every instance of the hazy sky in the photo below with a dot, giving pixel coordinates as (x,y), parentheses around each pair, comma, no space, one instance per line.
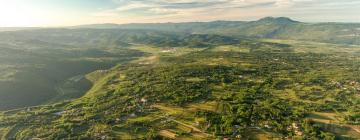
(75,12)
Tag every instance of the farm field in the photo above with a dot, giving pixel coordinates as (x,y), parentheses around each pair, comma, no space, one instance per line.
(263,91)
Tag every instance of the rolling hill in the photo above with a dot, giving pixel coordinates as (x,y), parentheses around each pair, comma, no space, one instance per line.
(274,78)
(269,27)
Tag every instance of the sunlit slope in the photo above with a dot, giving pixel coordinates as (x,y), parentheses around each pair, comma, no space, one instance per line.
(49,65)
(265,90)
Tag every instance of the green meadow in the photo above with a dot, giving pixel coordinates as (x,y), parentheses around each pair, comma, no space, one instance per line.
(274,78)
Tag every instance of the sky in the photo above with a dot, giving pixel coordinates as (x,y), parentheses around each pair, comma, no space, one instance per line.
(54,13)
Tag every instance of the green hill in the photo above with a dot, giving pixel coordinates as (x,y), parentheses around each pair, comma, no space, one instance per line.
(250,89)
(274,78)
(269,27)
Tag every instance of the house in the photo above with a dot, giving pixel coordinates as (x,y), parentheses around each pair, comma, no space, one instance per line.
(104,137)
(132,115)
(143,100)
(59,113)
(117,120)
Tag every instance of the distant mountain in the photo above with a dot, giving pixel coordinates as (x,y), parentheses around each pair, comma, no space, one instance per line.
(279,20)
(285,28)
(117,38)
(189,27)
(97,26)
(268,27)
(16,28)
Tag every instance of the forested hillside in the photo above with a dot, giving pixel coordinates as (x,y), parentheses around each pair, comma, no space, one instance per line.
(50,64)
(269,27)
(274,78)
(251,89)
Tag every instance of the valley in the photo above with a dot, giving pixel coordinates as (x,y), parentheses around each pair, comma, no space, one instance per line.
(44,74)
(138,82)
(178,93)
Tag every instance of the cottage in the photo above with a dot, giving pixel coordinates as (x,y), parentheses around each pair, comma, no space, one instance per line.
(132,115)
(143,100)
(59,113)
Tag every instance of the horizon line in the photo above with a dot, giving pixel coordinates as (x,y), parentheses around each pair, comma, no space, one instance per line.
(169,22)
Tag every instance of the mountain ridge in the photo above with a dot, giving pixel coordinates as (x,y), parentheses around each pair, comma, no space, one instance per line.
(264,19)
(268,27)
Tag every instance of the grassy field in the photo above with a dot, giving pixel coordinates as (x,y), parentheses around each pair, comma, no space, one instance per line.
(333,122)
(192,93)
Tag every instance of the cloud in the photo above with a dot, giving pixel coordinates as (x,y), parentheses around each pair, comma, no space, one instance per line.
(146,7)
(70,12)
(205,10)
(284,3)
(159,10)
(134,5)
(183,10)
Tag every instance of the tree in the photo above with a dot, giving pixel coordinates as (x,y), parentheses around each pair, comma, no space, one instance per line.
(151,134)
